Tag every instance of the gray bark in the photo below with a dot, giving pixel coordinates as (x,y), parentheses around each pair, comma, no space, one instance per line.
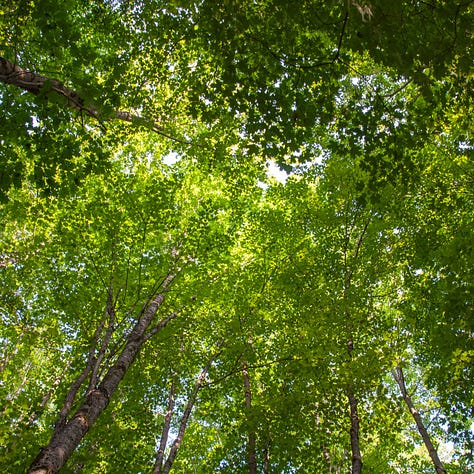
(11,73)
(166,429)
(399,378)
(184,420)
(67,437)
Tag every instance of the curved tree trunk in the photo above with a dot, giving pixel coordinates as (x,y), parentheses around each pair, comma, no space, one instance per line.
(157,469)
(185,418)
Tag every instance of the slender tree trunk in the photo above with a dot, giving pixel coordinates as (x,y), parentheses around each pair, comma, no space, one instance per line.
(354,433)
(354,429)
(266,457)
(20,387)
(184,420)
(350,260)
(110,316)
(76,385)
(251,438)
(398,376)
(66,439)
(6,355)
(165,431)
(353,414)
(50,392)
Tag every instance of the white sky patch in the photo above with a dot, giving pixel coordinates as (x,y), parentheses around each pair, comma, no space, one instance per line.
(171,158)
(273,171)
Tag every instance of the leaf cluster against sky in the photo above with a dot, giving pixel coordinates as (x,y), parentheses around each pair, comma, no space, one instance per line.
(291,300)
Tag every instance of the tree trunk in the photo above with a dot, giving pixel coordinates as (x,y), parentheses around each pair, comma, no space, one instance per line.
(184,420)
(354,416)
(266,458)
(398,376)
(76,385)
(66,439)
(165,431)
(350,260)
(354,433)
(251,439)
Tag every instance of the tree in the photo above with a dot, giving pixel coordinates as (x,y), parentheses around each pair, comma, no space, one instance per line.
(159,284)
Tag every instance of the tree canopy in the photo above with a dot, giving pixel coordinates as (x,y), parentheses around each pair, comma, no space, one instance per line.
(236,236)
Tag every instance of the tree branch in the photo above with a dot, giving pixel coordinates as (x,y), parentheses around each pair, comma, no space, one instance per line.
(37,84)
(67,437)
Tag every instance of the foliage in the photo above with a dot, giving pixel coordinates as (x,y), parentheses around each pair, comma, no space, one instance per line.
(298,294)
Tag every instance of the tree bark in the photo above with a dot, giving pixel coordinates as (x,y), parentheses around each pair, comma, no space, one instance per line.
(29,81)
(66,439)
(110,316)
(166,429)
(251,438)
(354,433)
(184,420)
(350,260)
(76,385)
(399,378)
(11,73)
(266,458)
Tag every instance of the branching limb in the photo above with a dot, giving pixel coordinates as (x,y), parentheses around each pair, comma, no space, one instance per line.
(76,385)
(37,84)
(110,313)
(68,435)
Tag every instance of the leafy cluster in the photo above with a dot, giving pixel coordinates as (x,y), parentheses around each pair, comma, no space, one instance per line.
(282,311)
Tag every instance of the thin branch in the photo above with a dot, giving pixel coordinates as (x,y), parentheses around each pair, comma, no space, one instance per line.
(255,366)
(160,325)
(284,60)
(76,385)
(251,436)
(68,437)
(341,36)
(110,312)
(397,90)
(49,393)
